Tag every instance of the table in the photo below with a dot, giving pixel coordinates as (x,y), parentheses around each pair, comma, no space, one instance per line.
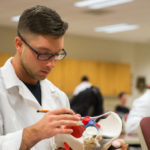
(131,140)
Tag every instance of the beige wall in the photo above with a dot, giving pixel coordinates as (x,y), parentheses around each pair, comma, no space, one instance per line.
(141,65)
(99,49)
(135,54)
(7,36)
(80,47)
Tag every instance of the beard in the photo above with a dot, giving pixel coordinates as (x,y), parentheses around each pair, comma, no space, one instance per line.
(28,72)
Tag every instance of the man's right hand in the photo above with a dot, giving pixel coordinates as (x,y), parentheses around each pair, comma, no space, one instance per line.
(51,124)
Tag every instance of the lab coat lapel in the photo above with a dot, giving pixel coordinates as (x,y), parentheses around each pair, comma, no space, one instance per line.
(48,96)
(13,81)
(26,94)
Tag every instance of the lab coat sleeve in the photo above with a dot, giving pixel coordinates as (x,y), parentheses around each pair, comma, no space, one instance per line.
(10,141)
(140,109)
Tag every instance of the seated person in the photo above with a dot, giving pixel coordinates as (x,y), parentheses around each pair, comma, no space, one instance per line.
(82,86)
(121,109)
(88,102)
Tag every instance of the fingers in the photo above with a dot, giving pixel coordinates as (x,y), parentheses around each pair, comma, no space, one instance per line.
(55,121)
(78,115)
(63,131)
(65,117)
(119,143)
(61,123)
(65,120)
(62,111)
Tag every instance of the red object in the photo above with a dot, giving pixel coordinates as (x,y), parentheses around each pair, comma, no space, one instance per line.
(66,146)
(85,120)
(98,125)
(77,130)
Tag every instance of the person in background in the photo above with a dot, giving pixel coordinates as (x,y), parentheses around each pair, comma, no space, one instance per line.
(24,88)
(139,110)
(121,109)
(88,102)
(82,86)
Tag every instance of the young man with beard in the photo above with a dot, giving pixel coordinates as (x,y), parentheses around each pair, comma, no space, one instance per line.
(24,88)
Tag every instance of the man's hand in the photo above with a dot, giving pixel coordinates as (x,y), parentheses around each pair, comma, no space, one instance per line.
(51,124)
(119,144)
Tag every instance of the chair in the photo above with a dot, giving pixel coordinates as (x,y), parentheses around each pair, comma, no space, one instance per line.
(144,133)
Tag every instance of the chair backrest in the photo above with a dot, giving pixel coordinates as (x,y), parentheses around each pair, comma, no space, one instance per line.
(144,133)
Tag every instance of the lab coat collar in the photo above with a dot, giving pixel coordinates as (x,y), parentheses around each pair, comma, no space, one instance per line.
(9,76)
(11,80)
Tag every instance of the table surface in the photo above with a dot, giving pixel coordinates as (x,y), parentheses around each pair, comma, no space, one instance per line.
(130,139)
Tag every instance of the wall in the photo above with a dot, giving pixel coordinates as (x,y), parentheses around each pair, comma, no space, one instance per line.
(7,36)
(135,54)
(112,78)
(141,66)
(99,49)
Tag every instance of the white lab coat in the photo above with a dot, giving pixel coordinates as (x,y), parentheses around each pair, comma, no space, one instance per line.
(18,108)
(140,109)
(81,87)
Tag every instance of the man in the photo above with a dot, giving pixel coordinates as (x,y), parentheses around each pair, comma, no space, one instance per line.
(24,89)
(88,102)
(82,86)
(121,108)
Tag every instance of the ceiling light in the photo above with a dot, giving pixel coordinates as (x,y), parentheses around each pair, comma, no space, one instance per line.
(108,4)
(116,28)
(88,3)
(15,18)
(97,4)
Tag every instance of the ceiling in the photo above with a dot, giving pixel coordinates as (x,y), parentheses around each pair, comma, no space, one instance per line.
(82,21)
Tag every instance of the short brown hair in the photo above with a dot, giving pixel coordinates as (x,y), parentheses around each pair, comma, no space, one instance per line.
(42,20)
(121,94)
